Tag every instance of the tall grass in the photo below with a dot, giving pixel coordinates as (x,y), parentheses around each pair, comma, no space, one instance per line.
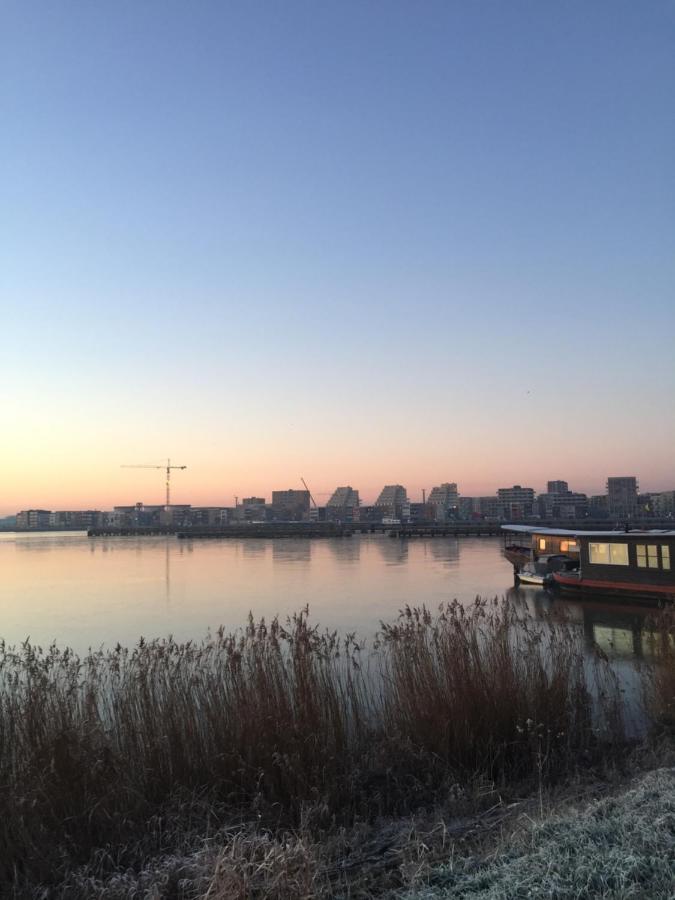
(284,723)
(660,681)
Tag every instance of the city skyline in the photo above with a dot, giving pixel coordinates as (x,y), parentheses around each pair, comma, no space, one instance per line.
(321,496)
(379,240)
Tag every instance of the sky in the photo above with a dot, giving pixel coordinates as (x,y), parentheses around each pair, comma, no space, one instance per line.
(359,242)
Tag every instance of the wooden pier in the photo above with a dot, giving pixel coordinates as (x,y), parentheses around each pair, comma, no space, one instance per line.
(347,529)
(267,530)
(444,530)
(131,531)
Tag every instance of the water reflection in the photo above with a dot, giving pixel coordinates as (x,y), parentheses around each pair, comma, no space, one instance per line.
(444,550)
(619,630)
(253,549)
(292,550)
(394,551)
(345,551)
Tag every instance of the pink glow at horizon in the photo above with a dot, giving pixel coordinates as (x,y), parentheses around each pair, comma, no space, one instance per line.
(101,484)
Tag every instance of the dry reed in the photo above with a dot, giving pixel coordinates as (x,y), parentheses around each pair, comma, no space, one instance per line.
(115,755)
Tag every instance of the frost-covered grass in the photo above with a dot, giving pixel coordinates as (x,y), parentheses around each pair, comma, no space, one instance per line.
(619,847)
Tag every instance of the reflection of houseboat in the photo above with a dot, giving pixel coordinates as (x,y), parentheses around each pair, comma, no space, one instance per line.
(629,564)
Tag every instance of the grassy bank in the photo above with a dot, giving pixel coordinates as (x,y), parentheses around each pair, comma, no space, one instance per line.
(622,846)
(290,744)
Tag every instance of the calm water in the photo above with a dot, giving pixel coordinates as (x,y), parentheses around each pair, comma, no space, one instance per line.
(86,592)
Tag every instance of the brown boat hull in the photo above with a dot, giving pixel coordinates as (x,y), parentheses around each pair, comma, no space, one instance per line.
(656,593)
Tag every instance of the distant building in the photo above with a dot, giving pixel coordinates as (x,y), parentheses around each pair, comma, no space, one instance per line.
(344,497)
(177,515)
(367,514)
(663,504)
(76,518)
(35,519)
(480,507)
(561,503)
(490,507)
(598,507)
(445,501)
(341,506)
(622,496)
(418,513)
(517,502)
(137,515)
(392,499)
(252,509)
(468,508)
(290,505)
(209,515)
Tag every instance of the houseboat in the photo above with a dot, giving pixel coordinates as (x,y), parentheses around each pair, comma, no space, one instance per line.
(636,565)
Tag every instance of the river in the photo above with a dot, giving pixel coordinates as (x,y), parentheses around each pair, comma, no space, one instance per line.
(83,592)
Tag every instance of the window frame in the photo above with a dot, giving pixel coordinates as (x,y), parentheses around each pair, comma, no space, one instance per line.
(665,557)
(610,558)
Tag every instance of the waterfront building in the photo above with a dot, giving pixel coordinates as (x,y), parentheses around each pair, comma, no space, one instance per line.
(75,518)
(516,502)
(209,515)
(35,519)
(252,509)
(137,515)
(392,499)
(622,496)
(342,505)
(557,487)
(445,501)
(290,505)
(344,498)
(176,516)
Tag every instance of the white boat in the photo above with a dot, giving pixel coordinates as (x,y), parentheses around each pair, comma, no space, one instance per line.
(538,572)
(525,576)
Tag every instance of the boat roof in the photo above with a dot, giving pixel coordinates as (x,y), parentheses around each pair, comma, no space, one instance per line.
(568,532)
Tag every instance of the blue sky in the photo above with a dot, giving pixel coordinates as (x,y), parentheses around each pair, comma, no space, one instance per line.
(358,241)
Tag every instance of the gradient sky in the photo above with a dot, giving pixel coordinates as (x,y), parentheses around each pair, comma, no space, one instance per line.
(362,242)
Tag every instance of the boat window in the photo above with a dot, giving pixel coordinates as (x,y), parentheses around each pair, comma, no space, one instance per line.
(568,546)
(618,554)
(665,556)
(641,555)
(598,553)
(542,543)
(652,556)
(608,554)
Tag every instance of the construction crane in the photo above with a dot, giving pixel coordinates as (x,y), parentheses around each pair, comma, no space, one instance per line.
(309,492)
(168,467)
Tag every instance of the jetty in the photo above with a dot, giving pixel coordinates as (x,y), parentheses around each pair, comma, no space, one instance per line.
(130,530)
(267,530)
